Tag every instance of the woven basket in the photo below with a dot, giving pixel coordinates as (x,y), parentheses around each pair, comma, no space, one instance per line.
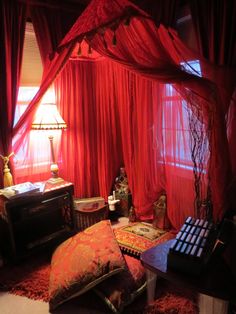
(88,217)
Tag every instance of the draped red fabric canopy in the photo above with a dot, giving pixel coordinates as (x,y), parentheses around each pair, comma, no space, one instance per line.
(157,54)
(99,14)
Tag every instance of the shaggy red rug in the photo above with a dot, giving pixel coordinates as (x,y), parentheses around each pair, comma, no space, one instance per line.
(31,279)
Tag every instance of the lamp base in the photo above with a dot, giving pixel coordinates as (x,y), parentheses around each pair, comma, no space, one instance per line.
(55,180)
(54,171)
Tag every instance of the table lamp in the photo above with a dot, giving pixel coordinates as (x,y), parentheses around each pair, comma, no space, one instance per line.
(48,118)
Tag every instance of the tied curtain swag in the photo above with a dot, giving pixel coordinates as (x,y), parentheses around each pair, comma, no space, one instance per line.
(156,54)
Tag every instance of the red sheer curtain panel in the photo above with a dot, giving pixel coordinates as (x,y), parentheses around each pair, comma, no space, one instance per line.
(53,62)
(138,103)
(212,107)
(51,70)
(160,54)
(50,25)
(110,124)
(155,56)
(91,149)
(57,61)
(12,28)
(124,118)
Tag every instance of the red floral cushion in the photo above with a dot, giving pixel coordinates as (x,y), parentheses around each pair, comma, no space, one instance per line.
(83,261)
(123,288)
(139,236)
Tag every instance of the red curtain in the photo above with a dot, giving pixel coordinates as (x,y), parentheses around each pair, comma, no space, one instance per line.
(152,138)
(214,106)
(50,25)
(161,11)
(156,54)
(90,20)
(91,149)
(159,55)
(138,102)
(51,70)
(216,38)
(22,135)
(215,32)
(120,119)
(54,64)
(13,18)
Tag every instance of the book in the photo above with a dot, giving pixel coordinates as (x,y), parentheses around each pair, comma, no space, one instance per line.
(18,190)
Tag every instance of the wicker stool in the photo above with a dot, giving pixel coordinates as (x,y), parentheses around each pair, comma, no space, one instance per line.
(87,217)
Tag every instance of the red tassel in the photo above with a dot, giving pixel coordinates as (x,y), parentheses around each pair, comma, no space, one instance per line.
(79,50)
(89,50)
(104,41)
(127,21)
(114,41)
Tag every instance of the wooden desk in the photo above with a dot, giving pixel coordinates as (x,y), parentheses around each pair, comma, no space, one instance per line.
(215,285)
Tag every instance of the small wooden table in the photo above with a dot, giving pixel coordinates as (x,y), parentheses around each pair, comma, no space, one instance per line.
(216,285)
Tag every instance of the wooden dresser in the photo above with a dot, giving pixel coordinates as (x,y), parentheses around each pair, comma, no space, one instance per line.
(30,222)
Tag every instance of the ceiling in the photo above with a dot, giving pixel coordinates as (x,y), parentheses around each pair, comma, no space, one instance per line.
(84,3)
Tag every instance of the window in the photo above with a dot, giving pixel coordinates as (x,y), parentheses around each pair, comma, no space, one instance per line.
(25,95)
(32,69)
(38,143)
(175,123)
(192,67)
(33,157)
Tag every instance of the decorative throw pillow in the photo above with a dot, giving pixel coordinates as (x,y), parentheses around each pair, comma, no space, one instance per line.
(140,236)
(83,261)
(122,289)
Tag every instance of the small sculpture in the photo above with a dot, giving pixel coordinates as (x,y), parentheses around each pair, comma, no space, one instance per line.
(160,219)
(121,183)
(161,203)
(7,177)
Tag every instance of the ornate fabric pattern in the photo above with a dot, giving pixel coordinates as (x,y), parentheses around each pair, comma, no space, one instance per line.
(120,290)
(83,261)
(99,13)
(138,237)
